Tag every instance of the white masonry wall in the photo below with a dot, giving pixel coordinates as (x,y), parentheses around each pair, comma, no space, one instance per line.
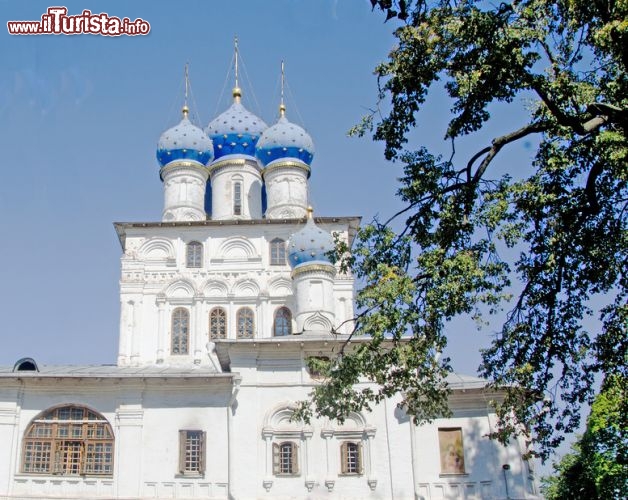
(236,272)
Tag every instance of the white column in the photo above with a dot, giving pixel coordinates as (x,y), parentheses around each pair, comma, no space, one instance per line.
(329,480)
(161,327)
(198,336)
(123,342)
(267,482)
(8,437)
(309,480)
(128,464)
(136,331)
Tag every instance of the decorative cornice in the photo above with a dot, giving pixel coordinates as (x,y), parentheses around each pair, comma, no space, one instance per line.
(286,164)
(312,269)
(233,162)
(182,165)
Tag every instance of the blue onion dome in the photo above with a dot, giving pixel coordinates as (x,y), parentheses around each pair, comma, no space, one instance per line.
(184,141)
(284,140)
(310,245)
(236,131)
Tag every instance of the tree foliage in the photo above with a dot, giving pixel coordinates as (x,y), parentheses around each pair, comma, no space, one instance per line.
(462,221)
(597,468)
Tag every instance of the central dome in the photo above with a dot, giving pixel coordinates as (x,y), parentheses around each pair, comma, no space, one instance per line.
(235,131)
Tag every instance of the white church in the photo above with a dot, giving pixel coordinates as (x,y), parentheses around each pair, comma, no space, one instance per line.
(220,310)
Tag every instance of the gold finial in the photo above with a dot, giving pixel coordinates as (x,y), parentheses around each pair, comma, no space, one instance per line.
(185,110)
(282,106)
(310,212)
(237,91)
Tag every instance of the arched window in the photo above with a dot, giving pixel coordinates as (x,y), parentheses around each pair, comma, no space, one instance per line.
(285,459)
(283,322)
(277,252)
(194,254)
(245,323)
(68,440)
(237,198)
(180,330)
(218,323)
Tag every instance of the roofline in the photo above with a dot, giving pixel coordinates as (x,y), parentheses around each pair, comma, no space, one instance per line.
(353,221)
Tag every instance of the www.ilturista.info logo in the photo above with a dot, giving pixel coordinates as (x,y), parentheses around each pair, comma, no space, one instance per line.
(57,22)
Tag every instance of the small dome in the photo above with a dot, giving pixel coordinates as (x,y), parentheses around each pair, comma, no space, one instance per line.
(285,140)
(184,141)
(236,131)
(310,244)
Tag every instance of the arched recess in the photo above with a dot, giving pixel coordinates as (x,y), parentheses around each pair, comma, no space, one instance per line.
(280,434)
(179,289)
(237,248)
(246,288)
(280,287)
(215,288)
(68,440)
(349,450)
(157,249)
(317,322)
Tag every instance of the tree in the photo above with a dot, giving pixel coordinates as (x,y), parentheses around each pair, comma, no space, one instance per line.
(598,464)
(567,221)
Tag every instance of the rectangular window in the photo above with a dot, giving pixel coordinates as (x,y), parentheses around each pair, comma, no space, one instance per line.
(194,254)
(192,452)
(285,459)
(278,252)
(451,451)
(237,198)
(351,458)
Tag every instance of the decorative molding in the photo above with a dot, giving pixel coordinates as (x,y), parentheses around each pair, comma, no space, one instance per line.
(309,484)
(316,268)
(267,484)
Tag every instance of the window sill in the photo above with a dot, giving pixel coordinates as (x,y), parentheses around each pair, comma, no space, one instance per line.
(453,474)
(190,475)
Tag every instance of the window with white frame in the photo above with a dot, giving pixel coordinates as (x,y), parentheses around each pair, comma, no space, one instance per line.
(194,254)
(192,452)
(180,331)
(277,252)
(285,459)
(245,319)
(68,440)
(218,323)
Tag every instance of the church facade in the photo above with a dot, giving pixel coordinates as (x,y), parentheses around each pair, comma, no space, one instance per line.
(219,315)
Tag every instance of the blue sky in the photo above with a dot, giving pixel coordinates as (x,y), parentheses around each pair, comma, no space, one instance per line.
(80,117)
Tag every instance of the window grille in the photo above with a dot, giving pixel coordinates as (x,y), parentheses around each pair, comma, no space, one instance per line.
(285,459)
(194,254)
(180,330)
(351,458)
(218,323)
(277,252)
(283,322)
(68,440)
(192,452)
(246,323)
